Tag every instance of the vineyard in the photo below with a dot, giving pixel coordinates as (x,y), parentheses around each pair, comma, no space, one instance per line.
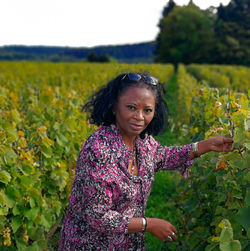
(42,130)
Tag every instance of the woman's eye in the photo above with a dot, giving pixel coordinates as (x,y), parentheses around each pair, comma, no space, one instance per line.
(130,107)
(148,110)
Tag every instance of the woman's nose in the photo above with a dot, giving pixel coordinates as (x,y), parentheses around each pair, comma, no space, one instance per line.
(139,115)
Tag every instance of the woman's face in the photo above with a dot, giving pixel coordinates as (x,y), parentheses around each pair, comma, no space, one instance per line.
(134,111)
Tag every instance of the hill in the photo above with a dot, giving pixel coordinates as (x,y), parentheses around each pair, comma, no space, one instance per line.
(129,53)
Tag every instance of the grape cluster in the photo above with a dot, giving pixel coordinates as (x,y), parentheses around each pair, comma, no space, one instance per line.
(6,236)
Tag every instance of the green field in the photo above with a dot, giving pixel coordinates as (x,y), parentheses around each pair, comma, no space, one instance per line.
(42,130)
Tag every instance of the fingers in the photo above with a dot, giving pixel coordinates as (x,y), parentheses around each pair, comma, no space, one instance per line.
(228,147)
(228,140)
(171,235)
(222,144)
(162,229)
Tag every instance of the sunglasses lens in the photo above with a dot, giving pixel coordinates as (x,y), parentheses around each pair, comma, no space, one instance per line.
(151,80)
(134,77)
(137,77)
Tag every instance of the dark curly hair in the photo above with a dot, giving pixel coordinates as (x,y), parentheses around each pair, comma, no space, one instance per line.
(101,104)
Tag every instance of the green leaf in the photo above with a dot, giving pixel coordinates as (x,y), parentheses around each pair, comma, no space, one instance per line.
(248,177)
(247,145)
(47,142)
(211,247)
(32,202)
(31,214)
(16,116)
(34,247)
(61,140)
(16,210)
(47,152)
(247,199)
(5,202)
(27,181)
(2,198)
(226,235)
(21,245)
(4,177)
(36,232)
(12,192)
(26,169)
(248,233)
(230,246)
(10,157)
(9,201)
(243,217)
(219,210)
(237,194)
(45,223)
(12,134)
(4,211)
(16,222)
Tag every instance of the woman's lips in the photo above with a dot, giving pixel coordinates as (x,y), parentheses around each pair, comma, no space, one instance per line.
(136,127)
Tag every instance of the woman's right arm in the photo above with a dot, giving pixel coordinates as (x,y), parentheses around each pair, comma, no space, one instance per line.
(157,227)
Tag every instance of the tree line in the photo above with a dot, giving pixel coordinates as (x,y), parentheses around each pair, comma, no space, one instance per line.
(215,35)
(128,53)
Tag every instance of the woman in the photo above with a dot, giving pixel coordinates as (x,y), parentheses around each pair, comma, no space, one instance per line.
(116,166)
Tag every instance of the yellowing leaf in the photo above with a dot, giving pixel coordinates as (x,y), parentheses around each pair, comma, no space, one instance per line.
(41,129)
(215,239)
(221,165)
(20,133)
(47,142)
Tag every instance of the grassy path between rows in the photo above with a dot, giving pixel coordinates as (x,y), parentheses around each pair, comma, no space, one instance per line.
(164,186)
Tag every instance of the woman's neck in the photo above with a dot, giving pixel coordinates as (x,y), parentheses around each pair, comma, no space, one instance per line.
(129,142)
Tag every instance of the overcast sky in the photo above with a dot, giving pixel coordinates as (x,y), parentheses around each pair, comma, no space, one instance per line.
(83,22)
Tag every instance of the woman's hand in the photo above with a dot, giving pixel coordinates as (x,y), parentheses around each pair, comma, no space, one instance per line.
(216,144)
(221,144)
(161,229)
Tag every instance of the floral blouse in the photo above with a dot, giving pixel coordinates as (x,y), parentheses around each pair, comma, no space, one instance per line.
(105,196)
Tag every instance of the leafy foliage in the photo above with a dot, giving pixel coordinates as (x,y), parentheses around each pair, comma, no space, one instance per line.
(218,187)
(233,77)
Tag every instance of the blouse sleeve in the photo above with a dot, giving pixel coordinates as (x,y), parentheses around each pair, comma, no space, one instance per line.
(92,194)
(173,158)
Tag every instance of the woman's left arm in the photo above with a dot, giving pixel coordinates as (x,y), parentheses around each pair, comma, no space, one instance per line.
(215,144)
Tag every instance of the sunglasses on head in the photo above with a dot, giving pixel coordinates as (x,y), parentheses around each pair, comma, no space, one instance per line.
(135,77)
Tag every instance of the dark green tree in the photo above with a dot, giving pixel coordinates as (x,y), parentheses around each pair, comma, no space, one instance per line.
(233,32)
(186,35)
(168,8)
(166,11)
(93,57)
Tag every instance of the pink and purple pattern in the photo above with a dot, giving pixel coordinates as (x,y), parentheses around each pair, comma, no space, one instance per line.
(105,196)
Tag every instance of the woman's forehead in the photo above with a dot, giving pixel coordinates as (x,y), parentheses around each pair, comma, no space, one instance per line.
(138,93)
(139,86)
